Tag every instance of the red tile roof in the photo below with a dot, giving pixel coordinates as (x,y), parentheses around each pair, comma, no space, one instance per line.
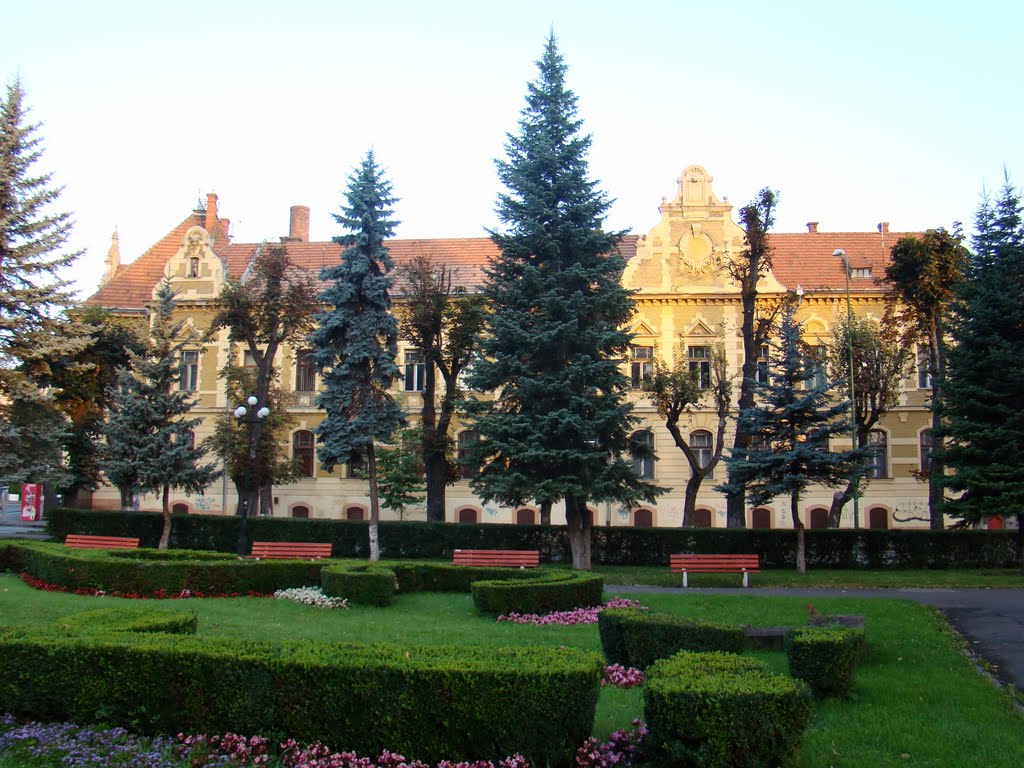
(805,259)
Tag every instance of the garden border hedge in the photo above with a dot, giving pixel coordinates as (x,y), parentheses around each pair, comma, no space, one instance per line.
(637,638)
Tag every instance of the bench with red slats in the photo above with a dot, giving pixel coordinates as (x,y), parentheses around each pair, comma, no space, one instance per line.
(502,558)
(86,541)
(685,564)
(290,550)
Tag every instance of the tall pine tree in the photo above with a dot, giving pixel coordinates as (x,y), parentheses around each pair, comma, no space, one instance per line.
(32,294)
(985,423)
(790,424)
(149,430)
(559,423)
(356,341)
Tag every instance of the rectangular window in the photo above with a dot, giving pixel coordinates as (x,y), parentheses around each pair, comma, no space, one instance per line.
(248,360)
(817,358)
(926,451)
(415,371)
(924,378)
(878,444)
(641,366)
(188,377)
(762,364)
(700,365)
(305,371)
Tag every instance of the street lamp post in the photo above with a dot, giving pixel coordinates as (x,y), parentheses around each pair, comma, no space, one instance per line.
(853,403)
(255,423)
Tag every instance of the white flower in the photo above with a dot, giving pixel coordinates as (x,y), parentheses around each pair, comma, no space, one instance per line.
(313,596)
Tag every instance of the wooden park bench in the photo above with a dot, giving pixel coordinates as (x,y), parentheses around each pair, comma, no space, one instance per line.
(503,558)
(685,564)
(290,550)
(85,541)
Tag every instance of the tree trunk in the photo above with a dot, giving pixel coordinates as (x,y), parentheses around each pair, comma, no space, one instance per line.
(839,500)
(165,534)
(801,553)
(1020,541)
(690,499)
(371,472)
(579,532)
(937,470)
(434,464)
(545,513)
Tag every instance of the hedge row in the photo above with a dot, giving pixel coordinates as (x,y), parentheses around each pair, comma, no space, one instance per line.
(552,591)
(720,710)
(637,638)
(874,549)
(134,619)
(825,657)
(426,702)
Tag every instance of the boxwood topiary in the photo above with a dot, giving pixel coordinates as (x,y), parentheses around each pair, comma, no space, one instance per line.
(713,710)
(825,657)
(363,584)
(551,591)
(127,620)
(637,638)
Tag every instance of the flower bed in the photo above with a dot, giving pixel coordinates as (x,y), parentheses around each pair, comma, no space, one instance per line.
(569,618)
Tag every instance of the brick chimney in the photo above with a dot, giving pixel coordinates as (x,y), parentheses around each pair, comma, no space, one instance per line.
(884,227)
(211,211)
(298,227)
(812,227)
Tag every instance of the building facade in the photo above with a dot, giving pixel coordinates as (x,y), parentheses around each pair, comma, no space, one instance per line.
(685,302)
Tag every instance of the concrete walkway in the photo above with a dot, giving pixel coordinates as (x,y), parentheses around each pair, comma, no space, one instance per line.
(991,620)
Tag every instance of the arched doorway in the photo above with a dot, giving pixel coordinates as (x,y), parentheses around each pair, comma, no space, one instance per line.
(526,516)
(466,515)
(643,518)
(994,523)
(355,513)
(878,517)
(300,510)
(179,509)
(702,517)
(818,518)
(761,518)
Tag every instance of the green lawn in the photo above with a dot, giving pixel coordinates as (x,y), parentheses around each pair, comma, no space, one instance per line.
(917,702)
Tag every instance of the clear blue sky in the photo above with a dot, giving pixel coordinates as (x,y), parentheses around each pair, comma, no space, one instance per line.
(855,112)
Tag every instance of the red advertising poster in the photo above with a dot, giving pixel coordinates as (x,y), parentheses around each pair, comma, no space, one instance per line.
(32,501)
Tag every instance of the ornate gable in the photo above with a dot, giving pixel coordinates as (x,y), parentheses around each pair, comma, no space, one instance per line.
(195,270)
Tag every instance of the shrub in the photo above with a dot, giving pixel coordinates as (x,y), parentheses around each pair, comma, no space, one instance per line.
(372,584)
(553,591)
(825,657)
(427,702)
(638,638)
(444,577)
(712,710)
(133,619)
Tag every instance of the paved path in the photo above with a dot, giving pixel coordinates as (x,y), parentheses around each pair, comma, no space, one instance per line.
(992,620)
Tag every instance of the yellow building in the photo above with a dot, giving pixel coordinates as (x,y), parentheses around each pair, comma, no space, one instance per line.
(684,301)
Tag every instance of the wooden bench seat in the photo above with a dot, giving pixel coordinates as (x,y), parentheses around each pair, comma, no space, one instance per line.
(502,558)
(290,550)
(86,541)
(685,564)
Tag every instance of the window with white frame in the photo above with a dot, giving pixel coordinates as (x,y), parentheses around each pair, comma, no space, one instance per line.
(642,454)
(878,443)
(415,373)
(702,444)
(817,355)
(188,372)
(924,377)
(762,364)
(699,358)
(641,366)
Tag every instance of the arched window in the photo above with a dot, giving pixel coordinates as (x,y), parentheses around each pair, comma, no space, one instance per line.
(878,517)
(179,509)
(702,444)
(927,442)
(994,523)
(300,511)
(302,452)
(702,517)
(354,513)
(761,518)
(878,444)
(193,267)
(642,453)
(467,438)
(466,515)
(526,516)
(818,518)
(643,518)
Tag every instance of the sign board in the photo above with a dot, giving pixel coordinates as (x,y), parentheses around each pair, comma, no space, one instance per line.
(32,501)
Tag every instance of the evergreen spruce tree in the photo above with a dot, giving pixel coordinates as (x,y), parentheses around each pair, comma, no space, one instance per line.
(559,423)
(149,430)
(356,340)
(791,423)
(985,421)
(32,294)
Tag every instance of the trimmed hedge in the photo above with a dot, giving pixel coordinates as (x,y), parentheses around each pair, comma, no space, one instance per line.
(156,573)
(718,710)
(619,545)
(825,657)
(556,591)
(426,702)
(372,584)
(104,620)
(637,638)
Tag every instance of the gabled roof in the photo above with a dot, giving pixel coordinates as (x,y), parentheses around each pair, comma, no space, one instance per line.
(805,259)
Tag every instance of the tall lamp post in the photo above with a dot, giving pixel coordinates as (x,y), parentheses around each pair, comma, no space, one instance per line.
(254,422)
(853,403)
